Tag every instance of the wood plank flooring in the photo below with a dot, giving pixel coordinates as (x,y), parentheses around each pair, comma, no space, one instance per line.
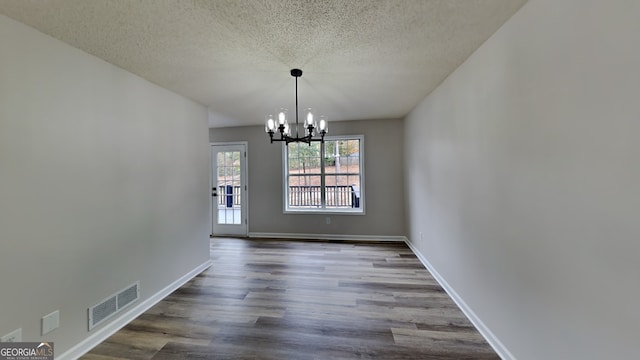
(283,299)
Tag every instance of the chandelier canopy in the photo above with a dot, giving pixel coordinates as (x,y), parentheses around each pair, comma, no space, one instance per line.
(310,126)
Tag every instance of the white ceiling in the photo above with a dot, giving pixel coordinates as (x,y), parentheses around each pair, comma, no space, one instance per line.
(362,59)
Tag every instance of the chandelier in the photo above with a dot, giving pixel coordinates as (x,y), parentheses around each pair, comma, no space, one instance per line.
(310,126)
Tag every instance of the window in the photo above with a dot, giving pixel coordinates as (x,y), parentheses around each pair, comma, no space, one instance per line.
(325,177)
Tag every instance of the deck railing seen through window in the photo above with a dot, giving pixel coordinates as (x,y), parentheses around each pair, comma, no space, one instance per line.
(340,196)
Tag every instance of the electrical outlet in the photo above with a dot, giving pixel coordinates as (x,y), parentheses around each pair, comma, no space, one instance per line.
(50,322)
(14,336)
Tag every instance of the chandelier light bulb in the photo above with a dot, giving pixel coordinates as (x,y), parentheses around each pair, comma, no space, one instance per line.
(282,116)
(270,125)
(309,119)
(323,124)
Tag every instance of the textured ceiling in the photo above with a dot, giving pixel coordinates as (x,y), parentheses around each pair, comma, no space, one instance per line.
(362,59)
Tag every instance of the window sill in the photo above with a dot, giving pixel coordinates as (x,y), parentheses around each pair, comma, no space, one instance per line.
(324,212)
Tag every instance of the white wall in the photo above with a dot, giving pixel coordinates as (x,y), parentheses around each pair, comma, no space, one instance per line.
(103,182)
(523,169)
(384,183)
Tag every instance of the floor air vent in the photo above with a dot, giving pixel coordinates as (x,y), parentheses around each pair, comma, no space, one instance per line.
(113,304)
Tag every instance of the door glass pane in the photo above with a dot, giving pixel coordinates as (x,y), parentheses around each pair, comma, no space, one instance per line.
(229,188)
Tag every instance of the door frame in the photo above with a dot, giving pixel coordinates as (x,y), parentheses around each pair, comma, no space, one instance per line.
(244,179)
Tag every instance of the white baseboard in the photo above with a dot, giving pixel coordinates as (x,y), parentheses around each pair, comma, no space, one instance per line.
(103,333)
(491,338)
(327,237)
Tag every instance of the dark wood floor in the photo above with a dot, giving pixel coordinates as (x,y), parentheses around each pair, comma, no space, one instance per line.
(268,299)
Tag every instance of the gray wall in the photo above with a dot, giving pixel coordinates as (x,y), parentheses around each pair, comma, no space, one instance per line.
(523,173)
(103,181)
(383,182)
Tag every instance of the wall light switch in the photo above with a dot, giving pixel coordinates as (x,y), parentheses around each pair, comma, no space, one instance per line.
(14,336)
(50,322)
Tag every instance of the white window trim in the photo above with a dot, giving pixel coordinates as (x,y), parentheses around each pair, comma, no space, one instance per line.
(345,211)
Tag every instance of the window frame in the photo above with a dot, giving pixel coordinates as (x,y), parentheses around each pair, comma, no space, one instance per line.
(324,210)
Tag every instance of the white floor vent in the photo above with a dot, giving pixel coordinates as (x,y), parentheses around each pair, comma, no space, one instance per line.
(113,304)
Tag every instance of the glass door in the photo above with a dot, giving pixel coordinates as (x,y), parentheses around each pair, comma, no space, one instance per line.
(229,189)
